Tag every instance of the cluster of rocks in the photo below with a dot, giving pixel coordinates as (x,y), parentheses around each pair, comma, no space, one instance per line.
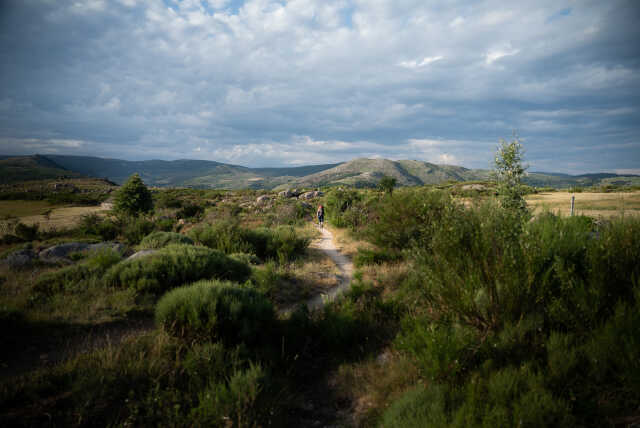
(288,194)
(56,254)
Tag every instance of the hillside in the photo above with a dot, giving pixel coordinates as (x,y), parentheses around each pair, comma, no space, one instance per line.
(14,169)
(210,174)
(368,172)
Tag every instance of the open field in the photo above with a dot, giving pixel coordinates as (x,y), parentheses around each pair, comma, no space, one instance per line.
(23,208)
(590,204)
(60,217)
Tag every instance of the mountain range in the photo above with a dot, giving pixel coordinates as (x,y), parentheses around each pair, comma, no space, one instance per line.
(209,174)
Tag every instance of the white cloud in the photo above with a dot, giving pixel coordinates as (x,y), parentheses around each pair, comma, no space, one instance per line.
(495,54)
(418,64)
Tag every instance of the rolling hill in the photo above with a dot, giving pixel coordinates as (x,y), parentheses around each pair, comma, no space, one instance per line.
(209,174)
(15,169)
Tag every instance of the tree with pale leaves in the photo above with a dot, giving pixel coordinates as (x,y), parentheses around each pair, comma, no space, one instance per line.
(508,173)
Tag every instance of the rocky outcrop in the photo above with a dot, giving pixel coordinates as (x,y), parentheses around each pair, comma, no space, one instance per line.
(311,195)
(142,253)
(60,253)
(263,200)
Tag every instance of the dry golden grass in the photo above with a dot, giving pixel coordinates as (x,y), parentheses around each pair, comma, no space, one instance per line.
(347,244)
(62,217)
(590,204)
(23,208)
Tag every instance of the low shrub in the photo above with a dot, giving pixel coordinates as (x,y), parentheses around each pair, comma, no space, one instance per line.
(215,310)
(366,257)
(73,278)
(157,240)
(95,225)
(26,232)
(281,244)
(175,265)
(136,228)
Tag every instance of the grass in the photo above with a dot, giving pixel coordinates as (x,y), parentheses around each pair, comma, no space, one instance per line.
(591,204)
(24,208)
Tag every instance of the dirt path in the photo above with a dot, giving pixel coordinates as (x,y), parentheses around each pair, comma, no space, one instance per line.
(325,243)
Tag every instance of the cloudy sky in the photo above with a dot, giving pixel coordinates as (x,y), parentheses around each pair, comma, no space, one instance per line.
(294,82)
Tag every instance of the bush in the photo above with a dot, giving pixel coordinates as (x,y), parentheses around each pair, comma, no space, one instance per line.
(133,198)
(26,232)
(136,228)
(94,225)
(215,310)
(175,265)
(372,257)
(281,244)
(190,210)
(157,240)
(76,277)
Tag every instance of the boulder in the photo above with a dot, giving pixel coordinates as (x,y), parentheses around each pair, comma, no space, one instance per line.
(473,187)
(142,253)
(263,200)
(62,251)
(19,259)
(111,245)
(286,194)
(311,195)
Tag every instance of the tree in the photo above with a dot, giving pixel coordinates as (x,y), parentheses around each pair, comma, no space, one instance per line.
(508,173)
(387,184)
(133,198)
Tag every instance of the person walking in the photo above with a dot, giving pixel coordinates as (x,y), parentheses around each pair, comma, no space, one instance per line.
(320,214)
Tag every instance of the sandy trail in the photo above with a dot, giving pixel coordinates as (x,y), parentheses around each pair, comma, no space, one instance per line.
(325,243)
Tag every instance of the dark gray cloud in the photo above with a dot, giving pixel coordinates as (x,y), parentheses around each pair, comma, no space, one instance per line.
(264,83)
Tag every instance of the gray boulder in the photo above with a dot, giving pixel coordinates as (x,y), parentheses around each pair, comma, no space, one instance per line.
(311,195)
(142,253)
(19,259)
(62,251)
(116,246)
(263,200)
(286,194)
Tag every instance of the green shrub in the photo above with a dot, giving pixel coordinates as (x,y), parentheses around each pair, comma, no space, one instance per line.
(133,198)
(157,240)
(95,225)
(175,265)
(26,232)
(418,408)
(215,310)
(79,276)
(281,244)
(190,210)
(136,228)
(373,257)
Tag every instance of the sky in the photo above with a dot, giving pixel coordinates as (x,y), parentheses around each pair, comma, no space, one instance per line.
(297,82)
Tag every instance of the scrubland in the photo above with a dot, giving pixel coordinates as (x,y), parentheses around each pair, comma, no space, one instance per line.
(459,314)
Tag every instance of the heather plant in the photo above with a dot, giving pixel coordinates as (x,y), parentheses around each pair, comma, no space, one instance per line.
(161,239)
(215,310)
(175,265)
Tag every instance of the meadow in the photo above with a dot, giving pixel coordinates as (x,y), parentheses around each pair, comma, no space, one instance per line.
(460,313)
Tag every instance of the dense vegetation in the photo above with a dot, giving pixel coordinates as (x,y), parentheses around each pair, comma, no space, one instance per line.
(464,312)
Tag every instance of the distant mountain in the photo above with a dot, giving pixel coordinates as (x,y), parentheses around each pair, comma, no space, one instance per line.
(209,174)
(368,172)
(24,168)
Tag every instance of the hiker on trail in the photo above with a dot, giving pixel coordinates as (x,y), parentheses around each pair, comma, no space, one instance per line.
(320,214)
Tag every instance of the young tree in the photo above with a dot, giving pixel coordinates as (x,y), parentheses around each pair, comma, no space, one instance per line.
(387,184)
(508,173)
(133,198)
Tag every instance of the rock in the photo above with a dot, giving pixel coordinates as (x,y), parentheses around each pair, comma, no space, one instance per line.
(311,195)
(116,246)
(19,259)
(286,194)
(473,187)
(305,205)
(62,251)
(142,253)
(262,200)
